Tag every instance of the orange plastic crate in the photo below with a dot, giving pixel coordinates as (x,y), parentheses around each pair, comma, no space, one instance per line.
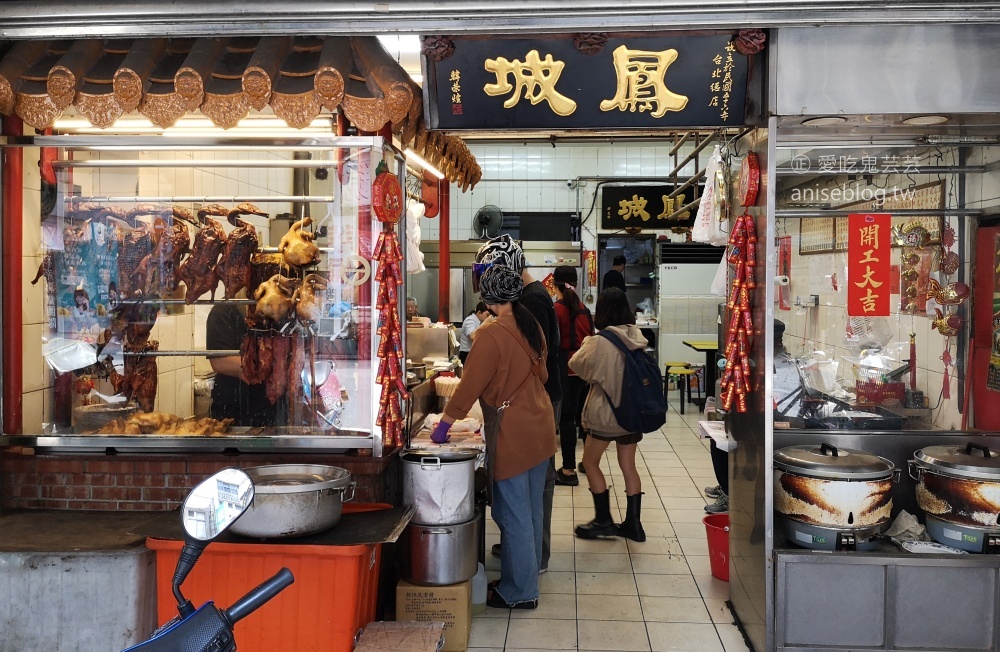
(334,594)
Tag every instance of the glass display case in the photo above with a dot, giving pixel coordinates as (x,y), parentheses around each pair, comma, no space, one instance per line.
(205,295)
(873,294)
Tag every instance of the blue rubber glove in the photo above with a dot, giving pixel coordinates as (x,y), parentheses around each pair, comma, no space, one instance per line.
(440,434)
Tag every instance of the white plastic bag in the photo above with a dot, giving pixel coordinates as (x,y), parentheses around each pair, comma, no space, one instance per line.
(414,257)
(707,227)
(721,277)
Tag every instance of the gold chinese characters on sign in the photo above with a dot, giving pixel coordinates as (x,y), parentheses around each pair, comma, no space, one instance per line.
(535,77)
(641,86)
(456,92)
(721,84)
(636,207)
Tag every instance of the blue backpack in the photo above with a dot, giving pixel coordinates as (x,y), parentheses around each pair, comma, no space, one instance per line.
(643,408)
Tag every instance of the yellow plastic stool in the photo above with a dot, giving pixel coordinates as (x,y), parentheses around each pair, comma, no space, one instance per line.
(666,376)
(683,375)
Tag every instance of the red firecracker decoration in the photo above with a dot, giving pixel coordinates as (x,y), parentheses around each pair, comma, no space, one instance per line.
(743,256)
(388,255)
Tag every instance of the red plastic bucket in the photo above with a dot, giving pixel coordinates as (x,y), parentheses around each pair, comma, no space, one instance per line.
(717,528)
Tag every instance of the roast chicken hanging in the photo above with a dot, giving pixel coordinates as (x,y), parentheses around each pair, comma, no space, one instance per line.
(275,297)
(297,247)
(309,298)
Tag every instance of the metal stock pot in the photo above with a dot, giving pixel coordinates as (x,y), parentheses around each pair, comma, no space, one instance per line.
(439,555)
(958,488)
(294,500)
(440,484)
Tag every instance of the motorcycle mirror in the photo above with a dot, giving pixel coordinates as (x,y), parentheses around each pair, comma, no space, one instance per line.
(216,503)
(208,510)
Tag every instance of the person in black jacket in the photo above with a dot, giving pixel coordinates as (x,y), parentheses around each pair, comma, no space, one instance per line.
(503,250)
(232,397)
(615,277)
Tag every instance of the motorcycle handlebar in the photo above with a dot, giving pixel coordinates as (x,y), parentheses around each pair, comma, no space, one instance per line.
(260,595)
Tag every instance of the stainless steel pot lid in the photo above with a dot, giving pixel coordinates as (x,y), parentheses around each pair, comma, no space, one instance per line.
(968,461)
(297,478)
(826,461)
(445,454)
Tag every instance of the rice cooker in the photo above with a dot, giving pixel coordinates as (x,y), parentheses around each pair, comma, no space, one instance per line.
(829,498)
(958,488)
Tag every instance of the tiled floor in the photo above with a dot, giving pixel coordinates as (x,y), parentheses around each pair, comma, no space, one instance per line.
(620,595)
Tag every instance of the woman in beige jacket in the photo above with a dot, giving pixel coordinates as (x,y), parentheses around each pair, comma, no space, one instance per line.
(600,363)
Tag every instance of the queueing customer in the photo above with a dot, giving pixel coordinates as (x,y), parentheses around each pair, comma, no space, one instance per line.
(469,326)
(503,251)
(506,368)
(575,324)
(600,363)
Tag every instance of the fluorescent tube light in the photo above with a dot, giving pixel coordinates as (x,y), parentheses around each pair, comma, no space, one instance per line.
(419,160)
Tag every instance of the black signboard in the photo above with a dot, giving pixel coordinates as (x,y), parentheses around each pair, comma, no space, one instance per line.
(645,207)
(635,81)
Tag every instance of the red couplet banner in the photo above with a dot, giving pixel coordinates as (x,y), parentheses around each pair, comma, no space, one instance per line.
(869,249)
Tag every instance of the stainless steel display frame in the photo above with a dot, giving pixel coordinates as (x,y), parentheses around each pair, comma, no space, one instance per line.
(757,602)
(250,443)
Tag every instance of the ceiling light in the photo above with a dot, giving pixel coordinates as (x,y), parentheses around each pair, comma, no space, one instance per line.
(419,160)
(258,126)
(824,121)
(924,120)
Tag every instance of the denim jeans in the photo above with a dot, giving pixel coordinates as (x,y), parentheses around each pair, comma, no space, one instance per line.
(547,496)
(517,510)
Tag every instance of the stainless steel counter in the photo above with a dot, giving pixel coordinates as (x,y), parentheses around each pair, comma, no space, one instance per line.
(174,444)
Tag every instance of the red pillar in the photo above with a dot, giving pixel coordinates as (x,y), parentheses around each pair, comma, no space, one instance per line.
(444,266)
(12,265)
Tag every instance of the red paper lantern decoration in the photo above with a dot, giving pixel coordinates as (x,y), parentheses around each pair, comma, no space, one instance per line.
(387,198)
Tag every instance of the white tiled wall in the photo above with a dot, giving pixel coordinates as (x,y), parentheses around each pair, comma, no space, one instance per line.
(532,176)
(823,328)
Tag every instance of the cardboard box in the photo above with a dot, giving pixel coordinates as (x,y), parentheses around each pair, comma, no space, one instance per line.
(451,605)
(394,636)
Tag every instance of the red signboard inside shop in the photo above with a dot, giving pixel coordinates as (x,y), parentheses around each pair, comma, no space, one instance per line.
(869,248)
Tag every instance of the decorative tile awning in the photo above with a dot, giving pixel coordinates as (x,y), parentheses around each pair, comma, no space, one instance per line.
(224,78)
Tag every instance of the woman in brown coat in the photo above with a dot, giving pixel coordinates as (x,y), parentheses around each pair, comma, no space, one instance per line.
(506,370)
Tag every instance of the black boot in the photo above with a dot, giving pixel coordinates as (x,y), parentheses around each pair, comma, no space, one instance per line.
(602,525)
(631,528)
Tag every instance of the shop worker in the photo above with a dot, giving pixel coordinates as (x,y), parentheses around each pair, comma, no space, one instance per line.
(601,363)
(615,277)
(412,309)
(469,326)
(507,374)
(232,397)
(503,251)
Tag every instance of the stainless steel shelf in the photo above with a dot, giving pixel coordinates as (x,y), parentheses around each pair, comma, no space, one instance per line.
(180,444)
